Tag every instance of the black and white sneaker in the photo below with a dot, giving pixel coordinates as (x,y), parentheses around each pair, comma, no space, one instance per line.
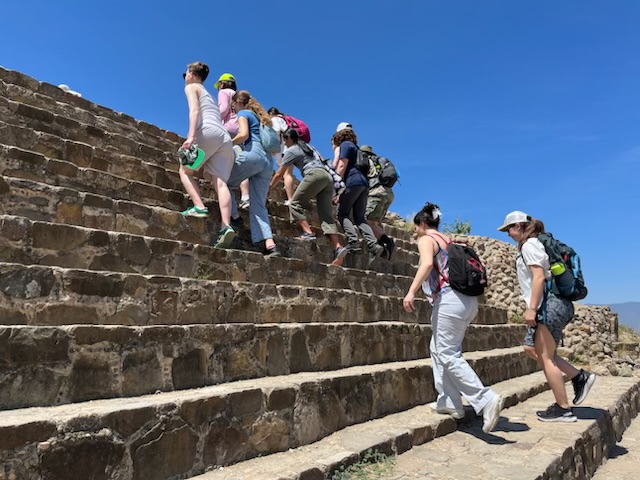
(582,383)
(555,413)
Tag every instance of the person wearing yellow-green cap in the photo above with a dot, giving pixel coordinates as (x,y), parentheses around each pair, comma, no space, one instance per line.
(226,86)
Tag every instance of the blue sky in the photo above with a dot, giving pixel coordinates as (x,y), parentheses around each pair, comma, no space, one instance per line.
(485,106)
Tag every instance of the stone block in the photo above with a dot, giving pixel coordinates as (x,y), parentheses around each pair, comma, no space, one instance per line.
(90,378)
(87,456)
(281,398)
(248,402)
(299,360)
(63,238)
(171,451)
(270,434)
(19,282)
(226,443)
(202,411)
(92,283)
(65,314)
(141,372)
(276,355)
(189,370)
(4,186)
(15,436)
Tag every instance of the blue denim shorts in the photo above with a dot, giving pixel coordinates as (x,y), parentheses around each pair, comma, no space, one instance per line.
(559,313)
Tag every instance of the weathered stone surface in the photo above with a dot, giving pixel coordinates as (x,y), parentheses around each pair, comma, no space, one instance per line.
(189,370)
(171,452)
(87,456)
(90,378)
(141,373)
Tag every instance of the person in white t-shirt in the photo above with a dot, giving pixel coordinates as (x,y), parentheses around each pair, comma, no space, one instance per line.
(546,316)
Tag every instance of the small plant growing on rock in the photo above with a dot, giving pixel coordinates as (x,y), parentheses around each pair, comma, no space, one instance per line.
(458,227)
(516,318)
(373,465)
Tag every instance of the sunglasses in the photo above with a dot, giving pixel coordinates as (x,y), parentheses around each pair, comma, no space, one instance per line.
(184,75)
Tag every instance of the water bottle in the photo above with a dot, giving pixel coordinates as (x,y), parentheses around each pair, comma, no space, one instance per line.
(564,280)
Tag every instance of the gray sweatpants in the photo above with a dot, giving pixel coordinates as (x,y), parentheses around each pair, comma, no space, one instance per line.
(452,375)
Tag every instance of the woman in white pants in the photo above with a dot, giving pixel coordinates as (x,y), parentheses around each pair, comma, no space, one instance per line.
(452,314)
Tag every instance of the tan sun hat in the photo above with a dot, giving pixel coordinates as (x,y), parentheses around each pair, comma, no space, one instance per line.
(514,217)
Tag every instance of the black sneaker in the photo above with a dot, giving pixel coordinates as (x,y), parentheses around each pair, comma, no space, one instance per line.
(271,252)
(582,383)
(237,223)
(555,413)
(390,247)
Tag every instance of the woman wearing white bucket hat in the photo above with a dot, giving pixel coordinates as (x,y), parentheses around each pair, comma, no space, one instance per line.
(546,316)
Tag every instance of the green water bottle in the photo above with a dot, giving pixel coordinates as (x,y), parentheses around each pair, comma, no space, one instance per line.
(563,278)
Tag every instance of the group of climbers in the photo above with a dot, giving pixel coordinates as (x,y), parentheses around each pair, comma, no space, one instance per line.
(235,139)
(354,180)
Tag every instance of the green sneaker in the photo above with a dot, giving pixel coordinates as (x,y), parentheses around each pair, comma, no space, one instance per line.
(225,237)
(196,212)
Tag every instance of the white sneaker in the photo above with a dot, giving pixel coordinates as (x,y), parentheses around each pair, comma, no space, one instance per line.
(287,203)
(455,413)
(491,413)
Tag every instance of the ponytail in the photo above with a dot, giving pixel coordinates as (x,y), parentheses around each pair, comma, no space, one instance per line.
(531,229)
(252,104)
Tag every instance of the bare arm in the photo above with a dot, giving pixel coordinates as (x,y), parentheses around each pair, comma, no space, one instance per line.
(280,173)
(193,99)
(537,292)
(426,246)
(243,131)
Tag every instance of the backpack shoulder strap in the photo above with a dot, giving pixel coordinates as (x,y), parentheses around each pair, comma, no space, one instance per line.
(443,278)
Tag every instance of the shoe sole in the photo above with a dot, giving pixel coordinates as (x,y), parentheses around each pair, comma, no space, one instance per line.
(225,239)
(587,387)
(489,427)
(452,413)
(195,214)
(570,419)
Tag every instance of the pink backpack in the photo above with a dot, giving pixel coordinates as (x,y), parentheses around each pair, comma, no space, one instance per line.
(299,126)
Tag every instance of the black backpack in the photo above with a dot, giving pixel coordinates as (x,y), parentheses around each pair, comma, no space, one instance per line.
(365,165)
(570,284)
(387,173)
(467,275)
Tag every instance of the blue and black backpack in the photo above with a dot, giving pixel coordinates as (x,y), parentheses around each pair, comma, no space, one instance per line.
(570,284)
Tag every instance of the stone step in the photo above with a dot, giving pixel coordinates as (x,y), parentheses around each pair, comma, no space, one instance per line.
(393,434)
(41,243)
(39,96)
(159,173)
(67,205)
(26,165)
(525,448)
(42,366)
(178,434)
(44,295)
(428,445)
(622,460)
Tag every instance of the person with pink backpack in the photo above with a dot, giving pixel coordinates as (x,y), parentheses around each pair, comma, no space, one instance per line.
(282,122)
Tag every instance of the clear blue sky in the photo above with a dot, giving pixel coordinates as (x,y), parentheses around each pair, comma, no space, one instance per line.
(485,106)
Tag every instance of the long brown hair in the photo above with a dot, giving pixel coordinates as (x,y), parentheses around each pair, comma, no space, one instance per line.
(245,98)
(531,230)
(346,134)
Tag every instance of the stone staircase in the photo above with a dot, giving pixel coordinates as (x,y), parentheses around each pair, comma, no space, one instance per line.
(131,349)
